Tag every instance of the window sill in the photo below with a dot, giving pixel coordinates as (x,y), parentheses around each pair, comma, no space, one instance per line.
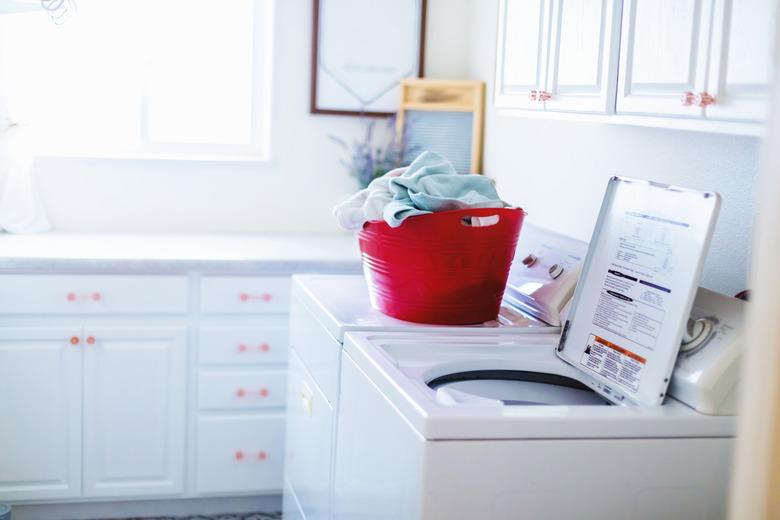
(157,157)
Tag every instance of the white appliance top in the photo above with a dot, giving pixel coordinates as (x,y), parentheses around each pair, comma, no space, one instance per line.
(401,365)
(341,304)
(537,291)
(637,287)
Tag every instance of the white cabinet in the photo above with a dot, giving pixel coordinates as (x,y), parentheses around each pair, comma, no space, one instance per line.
(522,53)
(583,56)
(694,64)
(663,56)
(134,411)
(40,413)
(556,55)
(93,412)
(742,48)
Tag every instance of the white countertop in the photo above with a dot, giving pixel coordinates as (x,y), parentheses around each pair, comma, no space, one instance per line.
(246,253)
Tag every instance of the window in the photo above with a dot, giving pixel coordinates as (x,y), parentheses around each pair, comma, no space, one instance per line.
(143,77)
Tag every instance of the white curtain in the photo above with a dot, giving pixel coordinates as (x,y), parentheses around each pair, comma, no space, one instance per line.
(21,209)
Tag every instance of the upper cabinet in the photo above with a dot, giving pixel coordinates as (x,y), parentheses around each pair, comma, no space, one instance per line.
(740,73)
(557,55)
(522,53)
(697,64)
(583,55)
(663,57)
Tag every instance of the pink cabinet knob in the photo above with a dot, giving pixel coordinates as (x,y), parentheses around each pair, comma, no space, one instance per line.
(239,455)
(71,297)
(703,99)
(265,347)
(90,340)
(262,455)
(74,340)
(266,297)
(544,95)
(243,296)
(240,392)
(242,348)
(96,296)
(263,392)
(687,99)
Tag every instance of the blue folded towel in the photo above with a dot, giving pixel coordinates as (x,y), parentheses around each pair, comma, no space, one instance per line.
(432,184)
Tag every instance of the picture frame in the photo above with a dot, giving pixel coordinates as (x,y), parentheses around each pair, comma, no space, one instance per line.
(361,51)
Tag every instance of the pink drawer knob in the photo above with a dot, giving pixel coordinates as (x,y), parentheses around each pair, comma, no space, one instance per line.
(242,348)
(240,392)
(687,99)
(243,297)
(262,455)
(74,340)
(263,392)
(265,347)
(96,296)
(267,297)
(71,297)
(239,455)
(703,99)
(91,340)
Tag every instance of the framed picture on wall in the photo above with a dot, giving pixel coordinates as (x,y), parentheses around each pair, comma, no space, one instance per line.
(361,50)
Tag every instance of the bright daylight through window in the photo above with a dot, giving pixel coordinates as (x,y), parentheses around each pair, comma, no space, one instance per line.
(187,78)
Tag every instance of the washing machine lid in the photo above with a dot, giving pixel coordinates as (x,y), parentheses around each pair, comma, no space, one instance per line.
(544,273)
(637,287)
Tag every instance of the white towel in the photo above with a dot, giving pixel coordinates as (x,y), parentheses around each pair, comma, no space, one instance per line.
(367,204)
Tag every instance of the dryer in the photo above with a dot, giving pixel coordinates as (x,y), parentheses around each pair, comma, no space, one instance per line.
(326,307)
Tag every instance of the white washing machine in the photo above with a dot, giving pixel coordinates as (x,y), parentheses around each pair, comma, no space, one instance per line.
(498,427)
(531,426)
(325,307)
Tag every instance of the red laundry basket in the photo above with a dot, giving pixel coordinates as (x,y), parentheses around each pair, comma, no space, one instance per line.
(437,269)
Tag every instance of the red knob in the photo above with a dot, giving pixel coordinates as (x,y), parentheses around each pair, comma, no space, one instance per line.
(71,297)
(242,348)
(96,296)
(262,455)
(265,347)
(239,455)
(74,340)
(243,296)
(90,340)
(240,392)
(263,392)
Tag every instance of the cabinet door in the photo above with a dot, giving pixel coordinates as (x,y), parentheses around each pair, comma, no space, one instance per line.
(523,43)
(741,59)
(583,55)
(134,411)
(663,56)
(40,413)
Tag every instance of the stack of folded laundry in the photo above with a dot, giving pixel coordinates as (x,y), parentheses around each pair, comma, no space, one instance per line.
(430,184)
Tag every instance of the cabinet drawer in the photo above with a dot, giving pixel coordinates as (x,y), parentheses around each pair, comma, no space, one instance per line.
(309,443)
(233,345)
(240,454)
(245,389)
(244,294)
(88,294)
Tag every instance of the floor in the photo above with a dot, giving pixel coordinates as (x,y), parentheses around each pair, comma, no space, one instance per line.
(224,516)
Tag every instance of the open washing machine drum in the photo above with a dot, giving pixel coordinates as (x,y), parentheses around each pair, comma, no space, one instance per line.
(512,387)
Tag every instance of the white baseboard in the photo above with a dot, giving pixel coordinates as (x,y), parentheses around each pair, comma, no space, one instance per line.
(129,509)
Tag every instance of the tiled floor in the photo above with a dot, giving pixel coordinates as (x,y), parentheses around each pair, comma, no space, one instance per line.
(236,516)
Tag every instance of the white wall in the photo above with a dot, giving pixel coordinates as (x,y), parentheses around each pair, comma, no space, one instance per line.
(558,170)
(294,195)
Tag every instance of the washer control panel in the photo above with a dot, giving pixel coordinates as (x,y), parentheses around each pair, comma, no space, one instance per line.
(707,368)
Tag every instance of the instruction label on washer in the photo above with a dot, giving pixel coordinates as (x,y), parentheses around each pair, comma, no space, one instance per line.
(613,362)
